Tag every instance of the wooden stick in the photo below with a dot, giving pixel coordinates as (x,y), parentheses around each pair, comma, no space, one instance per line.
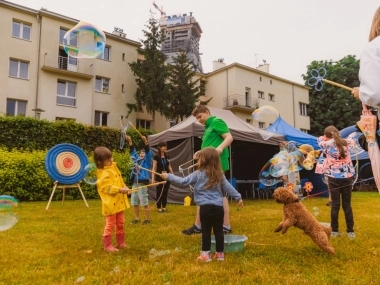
(337,84)
(135,129)
(148,170)
(186,163)
(152,184)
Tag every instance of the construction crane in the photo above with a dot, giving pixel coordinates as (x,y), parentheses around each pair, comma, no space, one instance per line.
(161,10)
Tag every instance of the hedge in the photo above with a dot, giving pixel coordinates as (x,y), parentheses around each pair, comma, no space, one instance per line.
(24,143)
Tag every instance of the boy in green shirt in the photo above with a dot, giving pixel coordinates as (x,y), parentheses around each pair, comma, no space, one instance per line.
(217,135)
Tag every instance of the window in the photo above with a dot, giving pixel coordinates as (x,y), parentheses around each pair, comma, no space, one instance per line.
(142,124)
(66,93)
(101,118)
(106,54)
(248,121)
(16,107)
(270,82)
(304,131)
(261,125)
(202,87)
(260,79)
(19,69)
(122,88)
(303,109)
(21,30)
(123,57)
(173,122)
(102,84)
(247,97)
(270,97)
(72,40)
(260,94)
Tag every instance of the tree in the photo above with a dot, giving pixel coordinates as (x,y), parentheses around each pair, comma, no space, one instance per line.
(334,105)
(184,90)
(151,73)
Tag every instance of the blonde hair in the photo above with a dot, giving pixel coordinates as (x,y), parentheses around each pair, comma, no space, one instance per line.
(210,162)
(375,27)
(332,132)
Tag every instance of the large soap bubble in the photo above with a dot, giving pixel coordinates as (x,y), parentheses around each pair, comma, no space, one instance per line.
(84,41)
(265,114)
(91,176)
(8,212)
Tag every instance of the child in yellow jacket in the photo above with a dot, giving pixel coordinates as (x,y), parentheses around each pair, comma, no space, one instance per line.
(112,190)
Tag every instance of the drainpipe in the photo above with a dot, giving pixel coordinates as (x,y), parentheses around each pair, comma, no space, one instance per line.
(228,104)
(38,64)
(294,108)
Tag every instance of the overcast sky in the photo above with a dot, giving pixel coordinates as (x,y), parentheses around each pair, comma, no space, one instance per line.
(288,34)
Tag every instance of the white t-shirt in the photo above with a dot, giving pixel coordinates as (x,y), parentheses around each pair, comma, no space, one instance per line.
(369,74)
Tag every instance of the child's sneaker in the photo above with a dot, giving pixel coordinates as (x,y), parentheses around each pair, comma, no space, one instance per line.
(146,222)
(351,235)
(192,231)
(205,256)
(335,234)
(219,256)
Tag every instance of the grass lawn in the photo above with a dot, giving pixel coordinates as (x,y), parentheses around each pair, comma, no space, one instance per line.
(63,244)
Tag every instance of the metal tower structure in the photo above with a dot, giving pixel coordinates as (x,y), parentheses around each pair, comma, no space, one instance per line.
(183,32)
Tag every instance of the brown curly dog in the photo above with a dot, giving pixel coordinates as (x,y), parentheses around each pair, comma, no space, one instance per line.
(296,214)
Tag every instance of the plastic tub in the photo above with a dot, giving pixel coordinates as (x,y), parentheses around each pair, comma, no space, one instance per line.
(231,243)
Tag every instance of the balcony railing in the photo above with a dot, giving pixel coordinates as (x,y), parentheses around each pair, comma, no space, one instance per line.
(68,65)
(238,100)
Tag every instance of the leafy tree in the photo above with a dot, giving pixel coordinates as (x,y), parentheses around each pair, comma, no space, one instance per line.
(151,73)
(184,90)
(334,105)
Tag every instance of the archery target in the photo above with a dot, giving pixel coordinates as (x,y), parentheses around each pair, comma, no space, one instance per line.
(66,163)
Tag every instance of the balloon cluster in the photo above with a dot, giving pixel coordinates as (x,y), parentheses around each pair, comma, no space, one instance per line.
(290,159)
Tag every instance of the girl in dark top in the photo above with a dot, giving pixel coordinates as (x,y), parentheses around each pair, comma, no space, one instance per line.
(161,164)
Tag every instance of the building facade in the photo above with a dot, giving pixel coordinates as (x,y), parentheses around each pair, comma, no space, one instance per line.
(40,80)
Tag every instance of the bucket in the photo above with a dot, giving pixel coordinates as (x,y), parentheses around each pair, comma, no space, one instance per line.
(231,243)
(187,201)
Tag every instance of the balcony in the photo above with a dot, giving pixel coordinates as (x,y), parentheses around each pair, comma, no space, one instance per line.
(69,66)
(240,102)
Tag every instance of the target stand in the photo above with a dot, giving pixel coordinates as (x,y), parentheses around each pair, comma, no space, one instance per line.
(65,163)
(64,187)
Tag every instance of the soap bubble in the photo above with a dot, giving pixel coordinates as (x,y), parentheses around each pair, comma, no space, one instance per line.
(84,41)
(266,114)
(91,176)
(315,211)
(8,212)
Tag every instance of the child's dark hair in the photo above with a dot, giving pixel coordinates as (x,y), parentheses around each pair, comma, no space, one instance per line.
(101,154)
(332,132)
(210,162)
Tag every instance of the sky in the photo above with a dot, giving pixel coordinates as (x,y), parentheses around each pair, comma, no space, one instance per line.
(287,34)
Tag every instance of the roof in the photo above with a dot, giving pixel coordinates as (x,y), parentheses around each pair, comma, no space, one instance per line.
(292,134)
(239,129)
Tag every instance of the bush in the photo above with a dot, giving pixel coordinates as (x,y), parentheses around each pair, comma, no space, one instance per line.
(25,141)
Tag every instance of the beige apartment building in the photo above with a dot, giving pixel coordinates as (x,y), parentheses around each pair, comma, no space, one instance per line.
(39,79)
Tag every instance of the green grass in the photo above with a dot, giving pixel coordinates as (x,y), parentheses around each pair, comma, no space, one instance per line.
(64,243)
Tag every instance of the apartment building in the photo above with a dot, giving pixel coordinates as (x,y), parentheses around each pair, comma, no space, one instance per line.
(242,89)
(39,79)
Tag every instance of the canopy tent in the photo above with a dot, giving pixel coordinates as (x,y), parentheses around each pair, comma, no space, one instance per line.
(292,134)
(344,133)
(248,152)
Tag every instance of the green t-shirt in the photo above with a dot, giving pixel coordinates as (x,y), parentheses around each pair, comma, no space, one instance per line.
(212,137)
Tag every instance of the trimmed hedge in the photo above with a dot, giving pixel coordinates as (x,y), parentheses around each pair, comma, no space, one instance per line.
(25,141)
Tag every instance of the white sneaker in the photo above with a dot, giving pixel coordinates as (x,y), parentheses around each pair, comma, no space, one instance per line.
(351,235)
(335,234)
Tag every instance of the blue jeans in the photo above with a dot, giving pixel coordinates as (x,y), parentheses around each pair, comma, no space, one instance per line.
(212,219)
(341,187)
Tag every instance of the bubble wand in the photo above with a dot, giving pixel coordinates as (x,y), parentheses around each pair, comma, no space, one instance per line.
(136,130)
(317,78)
(152,184)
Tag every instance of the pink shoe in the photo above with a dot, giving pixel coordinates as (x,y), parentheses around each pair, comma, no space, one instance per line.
(219,256)
(205,256)
(107,243)
(120,241)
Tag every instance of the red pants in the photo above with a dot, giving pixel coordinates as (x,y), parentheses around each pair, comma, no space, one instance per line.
(114,221)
